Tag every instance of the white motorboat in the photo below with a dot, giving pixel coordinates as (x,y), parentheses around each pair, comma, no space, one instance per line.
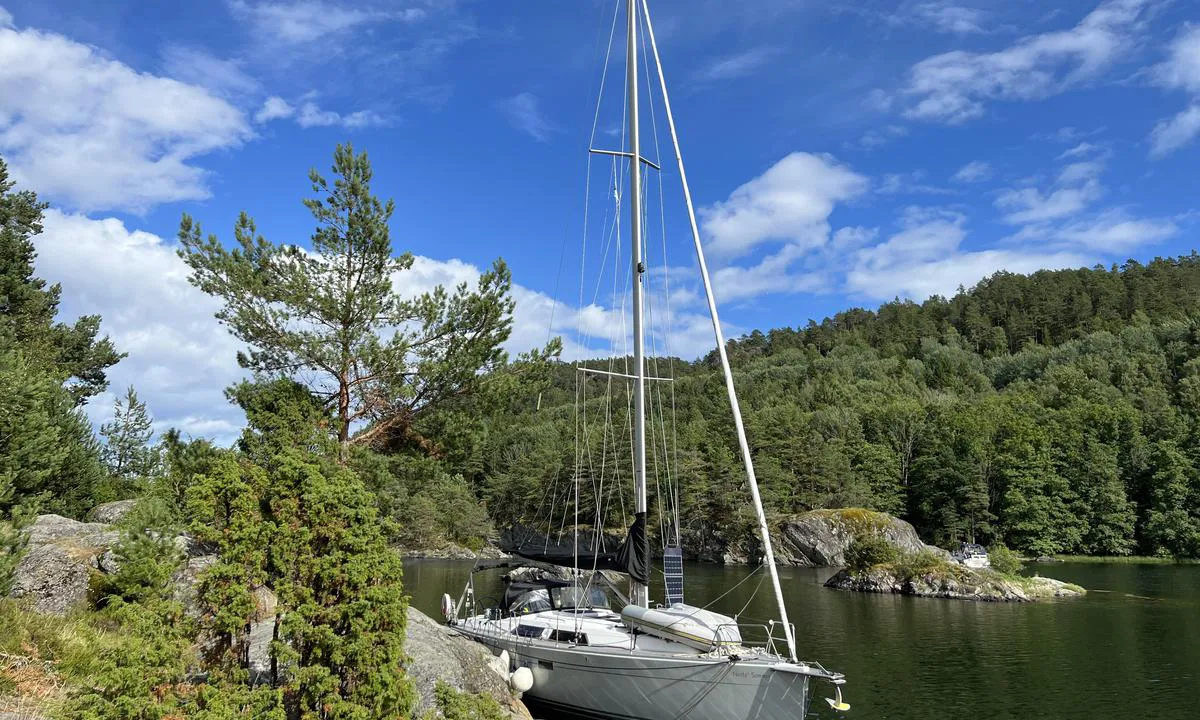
(971,555)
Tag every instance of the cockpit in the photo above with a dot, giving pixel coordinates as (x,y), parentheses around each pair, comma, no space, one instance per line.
(526,598)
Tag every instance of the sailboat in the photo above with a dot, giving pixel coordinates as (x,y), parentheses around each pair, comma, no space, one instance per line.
(567,645)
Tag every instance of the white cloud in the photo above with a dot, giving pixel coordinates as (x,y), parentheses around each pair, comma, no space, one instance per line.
(878,137)
(296,23)
(939,15)
(1079,150)
(948,17)
(852,238)
(311,115)
(273,108)
(909,184)
(925,236)
(944,276)
(6,18)
(1181,71)
(791,202)
(954,86)
(199,67)
(524,112)
(1077,186)
(973,172)
(93,133)
(1115,232)
(736,66)
(180,358)
(771,275)
(1068,134)
(924,259)
(1173,133)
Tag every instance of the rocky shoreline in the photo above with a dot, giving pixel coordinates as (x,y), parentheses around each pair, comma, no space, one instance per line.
(453,551)
(821,538)
(955,583)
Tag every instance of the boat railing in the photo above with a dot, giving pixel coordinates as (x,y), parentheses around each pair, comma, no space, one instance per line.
(755,634)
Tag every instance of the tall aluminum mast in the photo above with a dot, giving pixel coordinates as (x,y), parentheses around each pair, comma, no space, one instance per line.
(639,594)
(751,480)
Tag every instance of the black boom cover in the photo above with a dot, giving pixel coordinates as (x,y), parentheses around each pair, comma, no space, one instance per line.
(631,556)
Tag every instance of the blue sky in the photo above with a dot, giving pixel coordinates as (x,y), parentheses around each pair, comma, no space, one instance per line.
(840,154)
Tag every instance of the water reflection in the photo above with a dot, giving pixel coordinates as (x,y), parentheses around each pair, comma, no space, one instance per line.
(1131,649)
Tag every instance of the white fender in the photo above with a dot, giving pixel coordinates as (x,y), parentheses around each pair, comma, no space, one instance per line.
(521,679)
(448,610)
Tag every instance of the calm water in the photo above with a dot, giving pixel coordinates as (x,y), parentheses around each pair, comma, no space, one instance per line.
(1131,649)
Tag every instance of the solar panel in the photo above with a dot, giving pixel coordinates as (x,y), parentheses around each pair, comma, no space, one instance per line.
(673,573)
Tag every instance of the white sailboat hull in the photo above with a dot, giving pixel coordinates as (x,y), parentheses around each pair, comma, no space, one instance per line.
(615,684)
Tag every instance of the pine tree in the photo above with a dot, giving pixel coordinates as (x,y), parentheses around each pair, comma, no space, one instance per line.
(14,519)
(127,450)
(333,318)
(182,461)
(70,353)
(47,451)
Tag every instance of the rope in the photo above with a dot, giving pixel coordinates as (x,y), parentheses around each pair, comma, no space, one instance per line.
(735,587)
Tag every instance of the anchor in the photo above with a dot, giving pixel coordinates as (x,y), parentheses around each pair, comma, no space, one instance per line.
(837,703)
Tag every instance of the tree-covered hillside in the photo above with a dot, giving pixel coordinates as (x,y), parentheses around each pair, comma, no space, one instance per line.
(1056,412)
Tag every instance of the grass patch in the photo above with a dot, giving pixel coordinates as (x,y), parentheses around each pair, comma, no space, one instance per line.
(42,657)
(1036,589)
(1126,560)
(859,521)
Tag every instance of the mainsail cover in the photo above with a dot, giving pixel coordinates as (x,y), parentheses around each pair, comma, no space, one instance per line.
(634,554)
(604,553)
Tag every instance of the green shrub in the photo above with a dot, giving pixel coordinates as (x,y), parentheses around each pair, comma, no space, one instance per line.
(147,555)
(1004,561)
(869,550)
(920,563)
(455,705)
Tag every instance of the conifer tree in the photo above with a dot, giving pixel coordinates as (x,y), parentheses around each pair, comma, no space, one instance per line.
(48,454)
(339,316)
(223,509)
(127,450)
(342,603)
(14,519)
(182,461)
(71,353)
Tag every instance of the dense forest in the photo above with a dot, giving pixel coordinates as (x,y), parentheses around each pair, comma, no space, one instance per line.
(1056,413)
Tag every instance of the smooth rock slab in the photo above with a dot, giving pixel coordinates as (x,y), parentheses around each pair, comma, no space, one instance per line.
(54,576)
(437,653)
(820,538)
(47,528)
(111,512)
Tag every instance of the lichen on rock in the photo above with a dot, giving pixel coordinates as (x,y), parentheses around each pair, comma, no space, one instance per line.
(952,582)
(820,538)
